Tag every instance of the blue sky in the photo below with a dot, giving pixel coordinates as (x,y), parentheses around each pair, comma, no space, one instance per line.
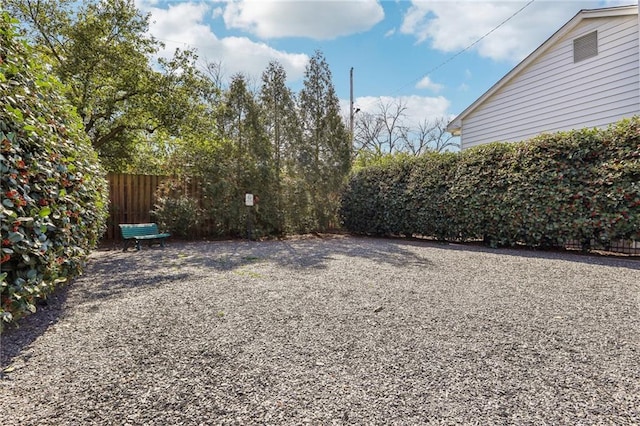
(401,51)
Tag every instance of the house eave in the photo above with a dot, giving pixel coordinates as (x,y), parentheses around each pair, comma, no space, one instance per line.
(454,128)
(566,28)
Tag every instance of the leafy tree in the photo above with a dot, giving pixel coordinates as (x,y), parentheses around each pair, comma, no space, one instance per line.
(280,115)
(155,154)
(54,195)
(324,154)
(176,210)
(101,50)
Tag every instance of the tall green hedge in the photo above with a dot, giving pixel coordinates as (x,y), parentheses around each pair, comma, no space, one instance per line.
(582,185)
(430,209)
(374,201)
(479,191)
(54,194)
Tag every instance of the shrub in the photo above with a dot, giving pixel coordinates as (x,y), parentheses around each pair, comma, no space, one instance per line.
(54,194)
(374,201)
(175,211)
(617,182)
(553,182)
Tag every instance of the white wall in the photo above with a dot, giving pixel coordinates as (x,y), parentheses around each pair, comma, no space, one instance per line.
(553,93)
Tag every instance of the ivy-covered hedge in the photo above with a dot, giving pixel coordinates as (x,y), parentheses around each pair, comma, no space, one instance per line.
(54,194)
(582,185)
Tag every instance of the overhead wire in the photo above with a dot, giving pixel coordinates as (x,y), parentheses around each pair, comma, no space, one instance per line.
(451,58)
(437,67)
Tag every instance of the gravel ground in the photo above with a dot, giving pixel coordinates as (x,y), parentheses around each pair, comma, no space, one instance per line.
(325,331)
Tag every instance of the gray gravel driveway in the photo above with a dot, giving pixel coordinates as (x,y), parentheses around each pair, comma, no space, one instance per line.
(325,331)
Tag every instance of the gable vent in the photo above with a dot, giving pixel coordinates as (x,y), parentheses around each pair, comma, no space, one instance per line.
(585,47)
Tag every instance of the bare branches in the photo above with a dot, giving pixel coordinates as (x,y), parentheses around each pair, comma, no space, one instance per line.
(430,136)
(389,131)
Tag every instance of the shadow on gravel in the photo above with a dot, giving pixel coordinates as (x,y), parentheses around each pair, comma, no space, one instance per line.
(14,339)
(115,273)
(120,273)
(316,252)
(294,254)
(592,258)
(112,273)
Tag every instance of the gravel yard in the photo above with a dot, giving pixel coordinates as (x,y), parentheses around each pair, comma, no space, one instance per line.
(324,331)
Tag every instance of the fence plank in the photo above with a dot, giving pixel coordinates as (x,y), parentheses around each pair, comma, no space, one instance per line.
(132,198)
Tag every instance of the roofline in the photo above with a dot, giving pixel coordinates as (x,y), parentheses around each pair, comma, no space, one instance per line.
(454,127)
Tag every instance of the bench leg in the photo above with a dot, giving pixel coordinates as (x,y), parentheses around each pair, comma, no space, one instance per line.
(138,245)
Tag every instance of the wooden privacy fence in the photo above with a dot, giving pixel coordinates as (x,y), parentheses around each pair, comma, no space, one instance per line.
(133,198)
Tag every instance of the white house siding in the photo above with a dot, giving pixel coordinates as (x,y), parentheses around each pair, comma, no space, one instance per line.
(553,93)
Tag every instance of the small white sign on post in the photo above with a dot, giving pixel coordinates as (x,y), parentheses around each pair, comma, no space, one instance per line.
(248,200)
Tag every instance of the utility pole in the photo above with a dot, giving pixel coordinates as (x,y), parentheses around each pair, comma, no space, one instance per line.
(351,106)
(351,112)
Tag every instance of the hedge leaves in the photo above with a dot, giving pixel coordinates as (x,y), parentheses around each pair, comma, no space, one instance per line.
(54,195)
(582,185)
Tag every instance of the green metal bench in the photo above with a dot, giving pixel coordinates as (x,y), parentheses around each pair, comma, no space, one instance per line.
(139,232)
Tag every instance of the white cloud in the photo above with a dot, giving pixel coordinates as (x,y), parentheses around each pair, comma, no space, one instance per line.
(316,19)
(165,24)
(243,55)
(183,26)
(453,26)
(418,108)
(426,83)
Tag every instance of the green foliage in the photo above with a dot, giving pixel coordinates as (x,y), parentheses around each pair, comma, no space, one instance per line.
(175,210)
(324,154)
(479,190)
(618,176)
(296,206)
(429,207)
(168,116)
(375,201)
(54,194)
(259,144)
(282,127)
(102,51)
(575,186)
(245,164)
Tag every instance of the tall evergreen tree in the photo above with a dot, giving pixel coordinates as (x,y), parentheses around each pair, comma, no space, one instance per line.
(282,126)
(249,164)
(280,115)
(325,152)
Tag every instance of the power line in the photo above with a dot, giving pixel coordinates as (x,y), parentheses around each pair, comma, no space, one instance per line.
(451,58)
(442,64)
(474,43)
